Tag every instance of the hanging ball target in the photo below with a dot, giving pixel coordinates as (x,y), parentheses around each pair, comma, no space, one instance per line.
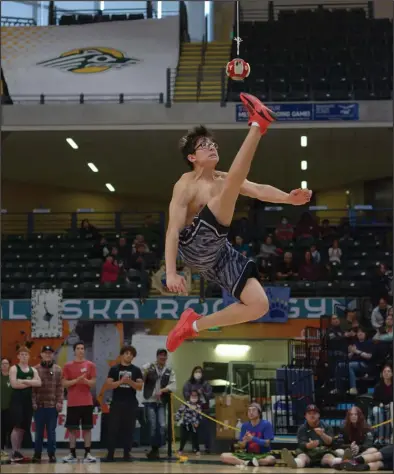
(237,69)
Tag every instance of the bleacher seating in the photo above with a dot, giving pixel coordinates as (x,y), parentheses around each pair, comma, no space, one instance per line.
(84,19)
(317,54)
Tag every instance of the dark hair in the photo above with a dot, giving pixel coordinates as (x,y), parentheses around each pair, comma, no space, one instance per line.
(188,143)
(389,366)
(161,351)
(7,359)
(79,343)
(358,431)
(192,379)
(83,222)
(128,349)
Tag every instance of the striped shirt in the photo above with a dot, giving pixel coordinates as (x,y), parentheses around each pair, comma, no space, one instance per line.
(51,391)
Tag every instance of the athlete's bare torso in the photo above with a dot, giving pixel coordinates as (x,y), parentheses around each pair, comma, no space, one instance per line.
(198,191)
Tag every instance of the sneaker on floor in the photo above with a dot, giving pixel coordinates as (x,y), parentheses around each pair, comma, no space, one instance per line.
(89,458)
(288,459)
(258,112)
(52,458)
(108,459)
(69,458)
(16,457)
(255,462)
(183,330)
(357,467)
(153,454)
(36,458)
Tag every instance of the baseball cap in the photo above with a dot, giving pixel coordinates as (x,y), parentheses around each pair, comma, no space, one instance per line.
(47,349)
(161,351)
(312,408)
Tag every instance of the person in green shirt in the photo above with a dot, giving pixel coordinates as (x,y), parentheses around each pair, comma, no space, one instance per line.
(6,391)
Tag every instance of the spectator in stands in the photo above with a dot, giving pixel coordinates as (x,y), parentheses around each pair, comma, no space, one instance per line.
(371,460)
(355,434)
(315,440)
(241,247)
(360,355)
(306,229)
(189,419)
(350,324)
(379,314)
(137,260)
(308,269)
(335,253)
(204,390)
(138,242)
(316,257)
(88,231)
(385,333)
(254,444)
(6,393)
(336,343)
(287,269)
(268,249)
(382,397)
(325,230)
(159,382)
(110,270)
(100,249)
(284,231)
(124,252)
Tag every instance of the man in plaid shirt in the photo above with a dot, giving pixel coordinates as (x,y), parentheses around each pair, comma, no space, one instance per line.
(47,403)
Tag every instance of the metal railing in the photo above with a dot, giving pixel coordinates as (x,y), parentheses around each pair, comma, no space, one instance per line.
(333,5)
(17,21)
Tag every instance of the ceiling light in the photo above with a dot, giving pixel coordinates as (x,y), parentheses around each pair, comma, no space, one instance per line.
(72,144)
(304,165)
(231,350)
(93,167)
(110,187)
(304,141)
(304,185)
(347,191)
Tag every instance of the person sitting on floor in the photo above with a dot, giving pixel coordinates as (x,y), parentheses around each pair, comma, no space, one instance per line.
(255,442)
(370,460)
(355,435)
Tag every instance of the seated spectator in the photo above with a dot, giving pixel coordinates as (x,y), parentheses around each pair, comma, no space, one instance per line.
(287,269)
(355,435)
(189,419)
(335,253)
(316,258)
(325,230)
(306,229)
(360,355)
(379,314)
(137,260)
(241,247)
(385,333)
(88,231)
(382,397)
(308,269)
(254,444)
(350,326)
(267,249)
(371,460)
(110,270)
(138,242)
(314,440)
(100,249)
(336,342)
(124,252)
(284,231)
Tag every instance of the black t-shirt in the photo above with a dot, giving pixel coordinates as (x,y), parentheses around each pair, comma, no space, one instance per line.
(124,393)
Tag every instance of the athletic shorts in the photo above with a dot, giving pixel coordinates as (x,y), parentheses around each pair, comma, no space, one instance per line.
(249,456)
(316,454)
(21,414)
(203,245)
(387,457)
(79,417)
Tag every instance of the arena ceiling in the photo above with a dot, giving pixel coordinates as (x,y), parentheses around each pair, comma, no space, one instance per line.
(146,163)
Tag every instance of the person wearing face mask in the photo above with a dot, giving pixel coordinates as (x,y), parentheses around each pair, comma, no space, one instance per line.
(204,390)
(47,403)
(189,419)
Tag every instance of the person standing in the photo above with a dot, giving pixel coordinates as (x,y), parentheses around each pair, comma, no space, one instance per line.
(204,390)
(159,381)
(125,379)
(6,392)
(22,378)
(47,403)
(79,377)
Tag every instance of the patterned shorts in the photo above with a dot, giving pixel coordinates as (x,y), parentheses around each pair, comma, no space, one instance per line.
(203,245)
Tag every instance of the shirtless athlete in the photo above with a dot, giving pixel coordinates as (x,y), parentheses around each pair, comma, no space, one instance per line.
(201,211)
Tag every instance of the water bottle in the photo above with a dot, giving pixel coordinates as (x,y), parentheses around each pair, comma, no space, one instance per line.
(238,426)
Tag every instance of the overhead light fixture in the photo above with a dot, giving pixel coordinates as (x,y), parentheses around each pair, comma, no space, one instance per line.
(232,350)
(304,185)
(347,191)
(304,165)
(159,9)
(110,187)
(72,144)
(93,167)
(304,141)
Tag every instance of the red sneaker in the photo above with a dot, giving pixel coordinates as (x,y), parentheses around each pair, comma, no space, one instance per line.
(258,112)
(183,330)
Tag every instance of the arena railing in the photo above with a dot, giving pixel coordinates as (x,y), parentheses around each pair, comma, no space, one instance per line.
(16,21)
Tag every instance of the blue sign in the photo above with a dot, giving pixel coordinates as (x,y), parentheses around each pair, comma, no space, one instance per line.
(278,298)
(306,112)
(168,308)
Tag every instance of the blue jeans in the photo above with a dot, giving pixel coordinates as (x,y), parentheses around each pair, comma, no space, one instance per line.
(355,367)
(156,415)
(45,417)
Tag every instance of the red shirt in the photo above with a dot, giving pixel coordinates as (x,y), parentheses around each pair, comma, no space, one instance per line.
(109,272)
(79,395)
